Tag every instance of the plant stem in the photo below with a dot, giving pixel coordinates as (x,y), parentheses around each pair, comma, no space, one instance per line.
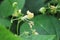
(18,25)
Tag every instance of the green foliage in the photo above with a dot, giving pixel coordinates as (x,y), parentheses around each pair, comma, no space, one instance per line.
(40,37)
(7,35)
(6,7)
(5,22)
(34,5)
(45,25)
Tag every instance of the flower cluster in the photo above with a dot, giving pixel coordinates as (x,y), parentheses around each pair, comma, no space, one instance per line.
(53,9)
(28,16)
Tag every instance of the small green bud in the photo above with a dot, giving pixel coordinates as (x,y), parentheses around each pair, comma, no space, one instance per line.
(42,10)
(14,4)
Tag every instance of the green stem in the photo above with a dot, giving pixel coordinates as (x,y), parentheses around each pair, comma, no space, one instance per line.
(18,25)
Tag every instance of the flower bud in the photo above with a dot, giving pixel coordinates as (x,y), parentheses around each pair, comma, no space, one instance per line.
(14,4)
(42,10)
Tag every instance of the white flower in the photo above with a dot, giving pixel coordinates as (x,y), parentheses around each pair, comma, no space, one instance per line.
(30,15)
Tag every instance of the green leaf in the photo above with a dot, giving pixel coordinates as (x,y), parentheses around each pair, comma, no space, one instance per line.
(45,25)
(5,22)
(34,5)
(40,37)
(6,8)
(7,35)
